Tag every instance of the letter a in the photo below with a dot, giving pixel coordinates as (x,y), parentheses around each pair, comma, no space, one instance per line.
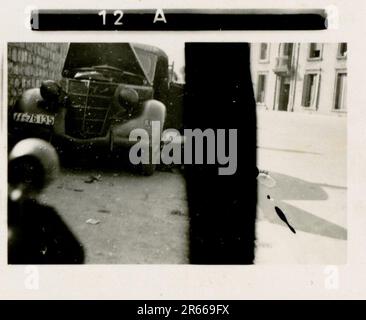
(159,15)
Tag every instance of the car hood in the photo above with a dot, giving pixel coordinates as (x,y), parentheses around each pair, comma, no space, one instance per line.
(118,55)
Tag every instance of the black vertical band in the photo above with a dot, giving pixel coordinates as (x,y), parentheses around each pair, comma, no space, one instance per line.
(219,95)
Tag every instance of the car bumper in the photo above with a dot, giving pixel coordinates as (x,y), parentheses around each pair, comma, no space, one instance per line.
(108,143)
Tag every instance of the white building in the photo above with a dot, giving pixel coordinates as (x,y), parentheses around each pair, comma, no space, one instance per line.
(300,77)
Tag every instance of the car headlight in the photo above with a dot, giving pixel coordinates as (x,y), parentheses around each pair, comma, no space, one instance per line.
(128,98)
(50,91)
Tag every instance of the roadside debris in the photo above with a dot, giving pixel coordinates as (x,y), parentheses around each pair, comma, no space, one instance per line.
(93,178)
(281,215)
(93,221)
(104,211)
(265,179)
(177,213)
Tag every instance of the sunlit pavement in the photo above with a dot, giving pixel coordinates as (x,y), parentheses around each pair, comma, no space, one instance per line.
(123,217)
(306,155)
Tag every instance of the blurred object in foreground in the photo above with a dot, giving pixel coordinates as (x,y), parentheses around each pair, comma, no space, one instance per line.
(36,233)
(265,179)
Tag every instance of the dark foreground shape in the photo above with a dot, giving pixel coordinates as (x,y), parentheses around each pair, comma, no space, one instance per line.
(38,235)
(222,208)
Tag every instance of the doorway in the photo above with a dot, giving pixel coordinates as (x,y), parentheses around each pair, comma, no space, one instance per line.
(284,93)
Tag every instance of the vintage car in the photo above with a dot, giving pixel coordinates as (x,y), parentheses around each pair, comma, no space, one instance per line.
(106,91)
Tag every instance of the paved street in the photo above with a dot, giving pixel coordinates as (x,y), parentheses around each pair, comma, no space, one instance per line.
(122,217)
(306,156)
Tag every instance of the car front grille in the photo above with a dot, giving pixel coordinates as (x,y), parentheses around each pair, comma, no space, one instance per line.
(87,116)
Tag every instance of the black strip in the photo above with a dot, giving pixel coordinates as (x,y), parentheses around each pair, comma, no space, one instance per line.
(183,309)
(178,20)
(222,208)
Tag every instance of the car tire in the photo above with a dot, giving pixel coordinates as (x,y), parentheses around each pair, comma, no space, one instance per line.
(149,169)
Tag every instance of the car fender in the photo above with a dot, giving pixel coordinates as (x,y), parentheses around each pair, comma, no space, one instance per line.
(30,102)
(152,110)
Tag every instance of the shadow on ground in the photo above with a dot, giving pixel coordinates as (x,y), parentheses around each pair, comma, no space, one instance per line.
(291,188)
(108,163)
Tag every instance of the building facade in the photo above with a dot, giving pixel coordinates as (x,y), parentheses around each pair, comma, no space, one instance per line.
(300,77)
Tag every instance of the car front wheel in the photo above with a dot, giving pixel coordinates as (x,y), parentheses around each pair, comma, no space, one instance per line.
(149,169)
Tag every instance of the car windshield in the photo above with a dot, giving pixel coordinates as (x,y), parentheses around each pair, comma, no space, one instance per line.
(148,61)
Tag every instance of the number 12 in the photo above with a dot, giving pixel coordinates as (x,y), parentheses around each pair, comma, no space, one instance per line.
(118,13)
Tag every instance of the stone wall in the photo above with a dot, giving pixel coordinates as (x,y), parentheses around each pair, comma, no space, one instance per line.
(31,63)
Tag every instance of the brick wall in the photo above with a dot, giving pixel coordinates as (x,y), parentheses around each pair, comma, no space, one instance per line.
(31,63)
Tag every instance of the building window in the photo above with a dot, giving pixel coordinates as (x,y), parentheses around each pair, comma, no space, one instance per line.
(340,103)
(310,91)
(342,50)
(261,88)
(264,52)
(287,49)
(315,51)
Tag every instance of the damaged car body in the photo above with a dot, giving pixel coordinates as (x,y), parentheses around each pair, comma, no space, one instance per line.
(106,91)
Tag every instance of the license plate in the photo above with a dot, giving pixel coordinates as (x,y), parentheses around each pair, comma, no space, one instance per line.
(34,118)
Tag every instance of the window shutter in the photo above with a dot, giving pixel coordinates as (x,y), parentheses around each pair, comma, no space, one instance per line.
(261,88)
(344,93)
(317,94)
(305,90)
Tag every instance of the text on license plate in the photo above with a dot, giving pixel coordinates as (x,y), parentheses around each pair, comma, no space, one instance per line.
(34,118)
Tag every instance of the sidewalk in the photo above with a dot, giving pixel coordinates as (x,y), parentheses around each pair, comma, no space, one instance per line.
(306,155)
